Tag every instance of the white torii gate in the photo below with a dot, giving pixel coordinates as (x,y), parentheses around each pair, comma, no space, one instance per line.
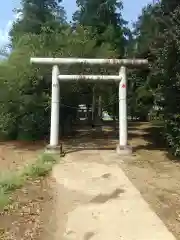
(122,147)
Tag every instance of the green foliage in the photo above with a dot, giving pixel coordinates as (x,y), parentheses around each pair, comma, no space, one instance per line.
(41,30)
(4,199)
(34,16)
(10,181)
(109,30)
(105,19)
(25,91)
(167,70)
(157,38)
(41,167)
(142,89)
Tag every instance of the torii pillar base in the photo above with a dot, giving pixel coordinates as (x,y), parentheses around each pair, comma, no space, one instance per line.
(53,149)
(124,150)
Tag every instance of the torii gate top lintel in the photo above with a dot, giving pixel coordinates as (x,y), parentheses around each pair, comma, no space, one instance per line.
(90,61)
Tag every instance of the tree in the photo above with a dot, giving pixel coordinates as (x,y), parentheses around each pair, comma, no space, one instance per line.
(106,20)
(37,15)
(157,38)
(25,89)
(108,27)
(142,88)
(167,68)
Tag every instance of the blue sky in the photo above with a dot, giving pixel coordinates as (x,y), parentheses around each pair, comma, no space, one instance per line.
(131,11)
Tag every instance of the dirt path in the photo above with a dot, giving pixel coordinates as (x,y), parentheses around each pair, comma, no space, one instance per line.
(97,201)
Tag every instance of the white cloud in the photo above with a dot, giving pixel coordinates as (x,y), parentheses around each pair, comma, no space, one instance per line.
(4,33)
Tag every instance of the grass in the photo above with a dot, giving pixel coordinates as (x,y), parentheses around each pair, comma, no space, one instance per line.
(158,123)
(41,168)
(4,199)
(10,181)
